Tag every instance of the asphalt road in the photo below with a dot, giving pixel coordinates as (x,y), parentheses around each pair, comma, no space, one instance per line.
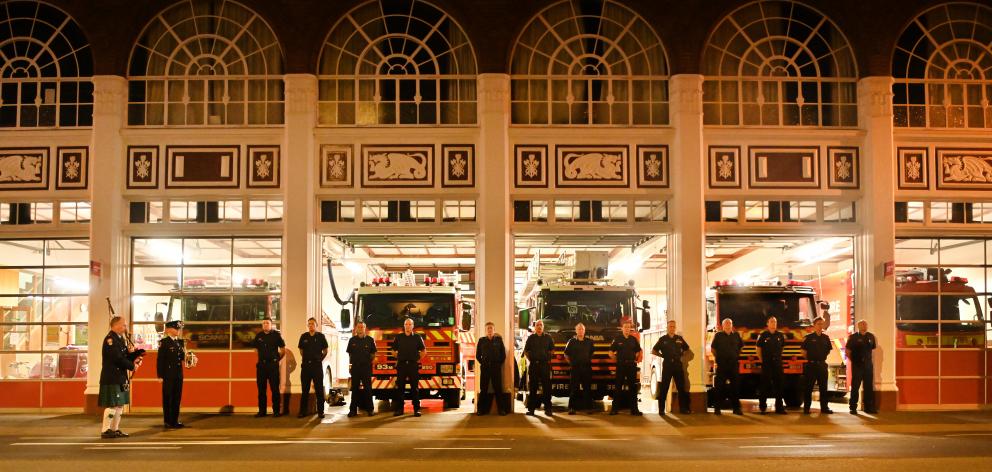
(457,439)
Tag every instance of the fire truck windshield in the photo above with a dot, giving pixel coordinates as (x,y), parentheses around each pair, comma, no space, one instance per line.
(426,309)
(751,310)
(963,308)
(595,309)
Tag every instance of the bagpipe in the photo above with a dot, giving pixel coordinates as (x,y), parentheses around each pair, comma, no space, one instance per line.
(132,354)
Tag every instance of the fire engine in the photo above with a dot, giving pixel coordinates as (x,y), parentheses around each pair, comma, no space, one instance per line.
(437,309)
(921,298)
(794,304)
(585,296)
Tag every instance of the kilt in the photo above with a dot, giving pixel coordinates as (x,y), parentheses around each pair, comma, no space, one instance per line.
(113,395)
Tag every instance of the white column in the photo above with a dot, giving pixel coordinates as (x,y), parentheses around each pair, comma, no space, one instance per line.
(875,295)
(107,247)
(494,253)
(299,244)
(686,276)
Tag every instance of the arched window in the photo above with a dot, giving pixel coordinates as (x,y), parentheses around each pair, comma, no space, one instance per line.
(942,65)
(45,68)
(582,62)
(779,63)
(206,62)
(397,62)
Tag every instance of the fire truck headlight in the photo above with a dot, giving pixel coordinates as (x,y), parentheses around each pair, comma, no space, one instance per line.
(447,369)
(447,381)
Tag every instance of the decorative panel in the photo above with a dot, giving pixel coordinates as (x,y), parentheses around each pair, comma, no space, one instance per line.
(652,166)
(72,168)
(530,165)
(202,166)
(784,167)
(913,165)
(457,165)
(24,168)
(724,167)
(398,166)
(263,167)
(142,167)
(964,169)
(336,166)
(843,168)
(591,166)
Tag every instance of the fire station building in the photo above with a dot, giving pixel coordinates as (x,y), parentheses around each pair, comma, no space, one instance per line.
(202,159)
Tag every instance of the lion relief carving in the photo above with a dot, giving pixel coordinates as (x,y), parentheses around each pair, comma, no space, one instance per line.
(397,166)
(20,168)
(592,166)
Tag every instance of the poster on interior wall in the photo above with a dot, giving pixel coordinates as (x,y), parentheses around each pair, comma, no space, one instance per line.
(72,168)
(24,168)
(724,167)
(202,166)
(591,166)
(142,167)
(913,165)
(652,166)
(530,165)
(398,166)
(843,168)
(457,165)
(336,166)
(964,169)
(263,167)
(784,167)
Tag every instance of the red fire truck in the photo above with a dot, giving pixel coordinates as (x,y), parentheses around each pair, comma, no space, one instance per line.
(437,309)
(929,313)
(794,304)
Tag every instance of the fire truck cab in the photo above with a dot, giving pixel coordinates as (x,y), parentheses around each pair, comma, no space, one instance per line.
(951,306)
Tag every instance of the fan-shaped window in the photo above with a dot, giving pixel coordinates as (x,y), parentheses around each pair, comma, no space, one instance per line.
(942,67)
(397,62)
(206,62)
(45,68)
(589,62)
(779,63)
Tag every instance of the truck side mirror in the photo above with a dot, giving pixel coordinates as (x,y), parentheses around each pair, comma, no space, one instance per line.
(645,318)
(524,322)
(466,321)
(825,313)
(345,318)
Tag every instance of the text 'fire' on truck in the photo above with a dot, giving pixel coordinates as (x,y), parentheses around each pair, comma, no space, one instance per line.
(749,306)
(439,315)
(576,289)
(928,313)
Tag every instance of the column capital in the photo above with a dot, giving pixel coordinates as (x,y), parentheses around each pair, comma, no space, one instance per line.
(686,93)
(109,95)
(494,93)
(875,97)
(301,93)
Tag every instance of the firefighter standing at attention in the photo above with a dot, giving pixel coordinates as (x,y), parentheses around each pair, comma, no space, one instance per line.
(169,367)
(627,352)
(491,354)
(271,348)
(726,348)
(859,350)
(816,347)
(410,350)
(361,350)
(538,350)
(770,343)
(670,348)
(578,352)
(313,350)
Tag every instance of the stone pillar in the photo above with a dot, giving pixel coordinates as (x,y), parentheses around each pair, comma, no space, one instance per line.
(494,251)
(300,245)
(107,247)
(875,294)
(687,276)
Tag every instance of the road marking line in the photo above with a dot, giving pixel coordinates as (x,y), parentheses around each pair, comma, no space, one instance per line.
(202,443)
(326,439)
(592,439)
(786,445)
(969,434)
(125,448)
(730,438)
(462,448)
(470,439)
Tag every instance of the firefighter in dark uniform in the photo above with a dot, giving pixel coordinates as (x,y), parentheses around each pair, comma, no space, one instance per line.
(271,348)
(859,351)
(726,348)
(578,352)
(538,350)
(361,351)
(670,348)
(115,385)
(627,352)
(770,343)
(409,349)
(491,354)
(171,359)
(313,350)
(816,347)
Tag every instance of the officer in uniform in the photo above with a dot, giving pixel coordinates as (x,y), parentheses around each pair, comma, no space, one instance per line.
(490,354)
(271,349)
(361,351)
(770,344)
(538,350)
(115,386)
(171,359)
(726,348)
(627,352)
(409,349)
(816,347)
(578,352)
(670,348)
(313,350)
(859,350)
